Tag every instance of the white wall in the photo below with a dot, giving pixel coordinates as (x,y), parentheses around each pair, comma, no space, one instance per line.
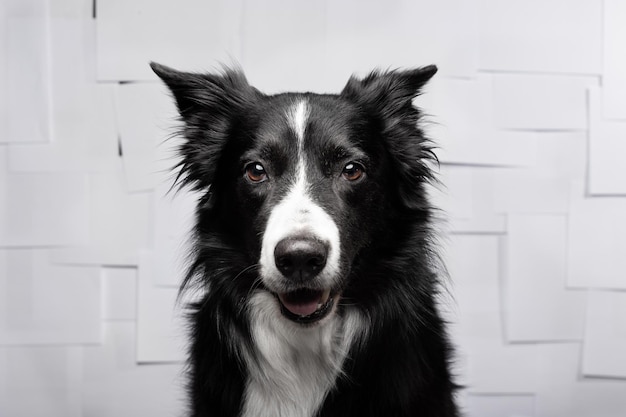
(529,109)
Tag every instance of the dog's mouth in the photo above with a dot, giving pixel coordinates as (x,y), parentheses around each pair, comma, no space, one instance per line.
(305,305)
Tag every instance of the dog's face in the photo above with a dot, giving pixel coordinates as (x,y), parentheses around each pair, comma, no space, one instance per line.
(308,177)
(301,183)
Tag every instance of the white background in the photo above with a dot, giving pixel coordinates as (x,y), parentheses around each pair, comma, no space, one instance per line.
(529,111)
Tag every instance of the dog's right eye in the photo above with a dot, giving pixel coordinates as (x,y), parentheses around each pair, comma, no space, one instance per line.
(255,172)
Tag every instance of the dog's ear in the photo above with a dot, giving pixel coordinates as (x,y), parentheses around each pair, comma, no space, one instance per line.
(198,91)
(389,94)
(209,105)
(387,99)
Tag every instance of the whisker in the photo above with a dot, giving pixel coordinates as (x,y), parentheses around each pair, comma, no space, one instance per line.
(246,269)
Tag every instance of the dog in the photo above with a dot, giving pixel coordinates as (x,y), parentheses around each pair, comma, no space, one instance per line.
(313,249)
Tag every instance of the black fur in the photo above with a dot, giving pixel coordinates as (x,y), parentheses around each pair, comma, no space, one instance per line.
(391,272)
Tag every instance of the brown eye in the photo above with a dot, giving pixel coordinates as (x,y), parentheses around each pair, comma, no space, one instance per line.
(255,172)
(353,171)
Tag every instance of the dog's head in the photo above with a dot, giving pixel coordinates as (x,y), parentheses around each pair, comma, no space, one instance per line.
(302,185)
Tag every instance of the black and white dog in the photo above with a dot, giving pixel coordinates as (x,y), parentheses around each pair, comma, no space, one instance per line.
(313,250)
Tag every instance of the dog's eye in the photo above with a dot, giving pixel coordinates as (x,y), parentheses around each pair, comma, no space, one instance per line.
(353,171)
(255,172)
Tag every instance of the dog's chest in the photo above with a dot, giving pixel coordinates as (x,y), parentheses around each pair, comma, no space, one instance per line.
(291,369)
(287,383)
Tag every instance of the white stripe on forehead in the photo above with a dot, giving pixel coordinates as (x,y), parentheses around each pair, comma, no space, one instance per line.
(297,117)
(297,214)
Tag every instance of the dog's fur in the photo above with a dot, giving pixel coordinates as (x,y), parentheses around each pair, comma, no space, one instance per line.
(342,176)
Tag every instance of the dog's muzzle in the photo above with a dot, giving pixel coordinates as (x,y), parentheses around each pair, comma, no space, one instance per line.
(300,257)
(300,260)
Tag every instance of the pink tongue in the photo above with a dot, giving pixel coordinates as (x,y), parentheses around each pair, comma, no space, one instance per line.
(301,307)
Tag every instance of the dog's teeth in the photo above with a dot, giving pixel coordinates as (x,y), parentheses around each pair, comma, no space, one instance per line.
(324,298)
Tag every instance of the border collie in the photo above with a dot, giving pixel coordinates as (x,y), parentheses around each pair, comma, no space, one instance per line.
(312,250)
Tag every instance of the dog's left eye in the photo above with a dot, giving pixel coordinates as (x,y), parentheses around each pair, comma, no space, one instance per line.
(255,172)
(353,171)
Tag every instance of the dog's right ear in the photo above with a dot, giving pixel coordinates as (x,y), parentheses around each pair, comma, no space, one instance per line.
(197,91)
(209,104)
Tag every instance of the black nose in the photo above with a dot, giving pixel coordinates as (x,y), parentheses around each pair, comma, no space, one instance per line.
(300,259)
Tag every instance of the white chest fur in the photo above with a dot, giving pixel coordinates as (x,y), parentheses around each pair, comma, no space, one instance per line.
(292,368)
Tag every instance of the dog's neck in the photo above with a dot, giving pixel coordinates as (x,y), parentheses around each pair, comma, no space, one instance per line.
(292,368)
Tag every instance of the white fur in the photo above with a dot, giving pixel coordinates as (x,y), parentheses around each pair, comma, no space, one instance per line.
(297,117)
(292,367)
(297,214)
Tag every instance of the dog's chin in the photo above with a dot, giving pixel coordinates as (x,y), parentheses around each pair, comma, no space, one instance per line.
(307,306)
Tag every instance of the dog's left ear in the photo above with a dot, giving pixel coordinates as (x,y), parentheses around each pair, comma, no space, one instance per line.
(387,97)
(389,93)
